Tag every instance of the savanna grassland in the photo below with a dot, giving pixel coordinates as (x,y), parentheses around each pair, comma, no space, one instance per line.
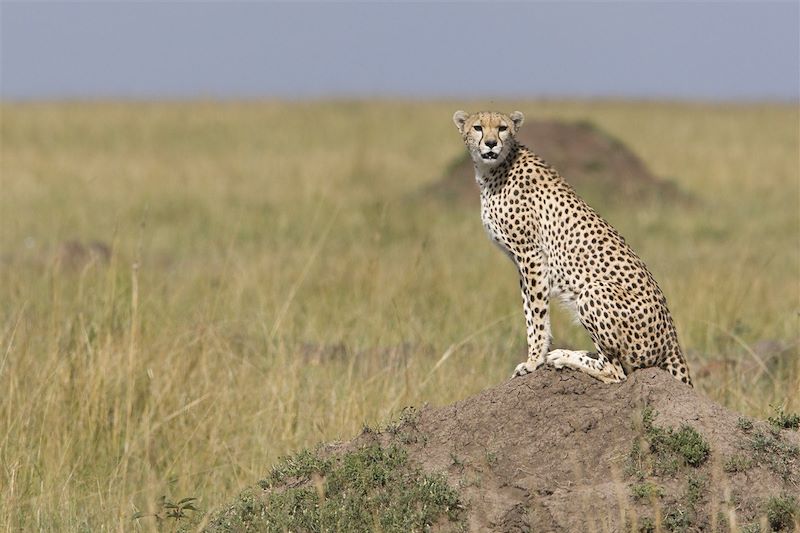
(269,276)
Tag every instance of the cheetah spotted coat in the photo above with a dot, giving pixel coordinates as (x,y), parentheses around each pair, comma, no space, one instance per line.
(562,248)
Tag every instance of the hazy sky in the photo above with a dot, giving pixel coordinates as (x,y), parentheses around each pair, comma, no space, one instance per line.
(717,51)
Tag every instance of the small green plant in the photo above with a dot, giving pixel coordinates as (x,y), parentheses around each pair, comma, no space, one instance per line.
(744,424)
(636,463)
(670,446)
(773,451)
(407,416)
(783,420)
(646,491)
(456,460)
(170,510)
(648,416)
(669,449)
(690,445)
(722,518)
(404,426)
(782,512)
(677,519)
(683,515)
(646,525)
(298,468)
(696,486)
(491,458)
(737,463)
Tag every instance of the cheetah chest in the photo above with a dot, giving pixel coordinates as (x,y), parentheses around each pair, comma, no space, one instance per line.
(498,232)
(493,227)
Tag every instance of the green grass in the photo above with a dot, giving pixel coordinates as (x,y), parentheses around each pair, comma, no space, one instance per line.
(661,453)
(671,448)
(783,512)
(784,420)
(773,451)
(744,424)
(646,491)
(737,463)
(276,282)
(682,514)
(368,489)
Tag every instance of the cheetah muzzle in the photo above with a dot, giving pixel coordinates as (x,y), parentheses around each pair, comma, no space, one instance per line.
(563,249)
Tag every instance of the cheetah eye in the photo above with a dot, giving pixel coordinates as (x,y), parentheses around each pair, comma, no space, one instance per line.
(477,128)
(502,128)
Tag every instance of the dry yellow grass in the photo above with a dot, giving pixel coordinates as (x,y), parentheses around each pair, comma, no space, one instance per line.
(275,283)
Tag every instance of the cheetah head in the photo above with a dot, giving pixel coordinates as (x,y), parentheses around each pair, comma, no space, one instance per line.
(488,135)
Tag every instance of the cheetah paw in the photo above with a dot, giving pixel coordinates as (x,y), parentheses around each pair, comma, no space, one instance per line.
(526,368)
(558,358)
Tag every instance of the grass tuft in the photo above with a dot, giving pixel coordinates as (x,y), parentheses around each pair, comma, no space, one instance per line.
(646,491)
(737,463)
(744,424)
(672,447)
(646,525)
(783,512)
(371,488)
(780,456)
(783,420)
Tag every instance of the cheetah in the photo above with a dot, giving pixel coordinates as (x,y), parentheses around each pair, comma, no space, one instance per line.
(563,249)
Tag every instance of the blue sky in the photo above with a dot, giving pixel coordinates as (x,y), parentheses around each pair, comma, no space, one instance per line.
(149,50)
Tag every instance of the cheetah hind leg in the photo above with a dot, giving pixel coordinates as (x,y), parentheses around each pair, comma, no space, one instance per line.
(595,364)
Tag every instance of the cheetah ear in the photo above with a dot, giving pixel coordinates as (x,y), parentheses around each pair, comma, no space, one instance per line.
(459,118)
(518,119)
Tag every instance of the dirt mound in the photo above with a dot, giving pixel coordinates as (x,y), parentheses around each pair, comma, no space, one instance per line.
(552,451)
(600,167)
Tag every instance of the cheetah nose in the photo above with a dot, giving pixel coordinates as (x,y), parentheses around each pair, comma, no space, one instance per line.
(491,143)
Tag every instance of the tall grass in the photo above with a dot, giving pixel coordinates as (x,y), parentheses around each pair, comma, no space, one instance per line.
(275,281)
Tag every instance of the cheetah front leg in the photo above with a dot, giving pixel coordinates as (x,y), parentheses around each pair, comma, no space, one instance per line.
(534,286)
(595,364)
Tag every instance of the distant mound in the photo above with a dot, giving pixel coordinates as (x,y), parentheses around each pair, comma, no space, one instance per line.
(551,451)
(600,167)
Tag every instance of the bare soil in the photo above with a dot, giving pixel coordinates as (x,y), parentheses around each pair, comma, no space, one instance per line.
(560,451)
(600,167)
(551,452)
